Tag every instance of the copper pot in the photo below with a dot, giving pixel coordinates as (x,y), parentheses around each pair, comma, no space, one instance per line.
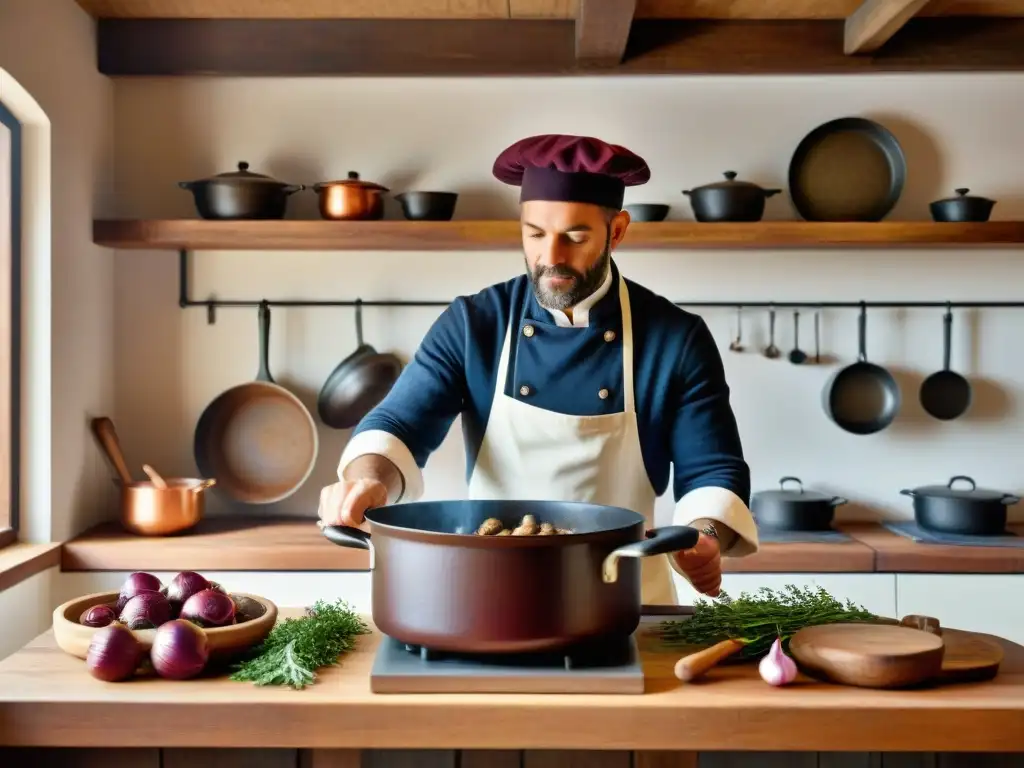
(147,509)
(151,511)
(351,199)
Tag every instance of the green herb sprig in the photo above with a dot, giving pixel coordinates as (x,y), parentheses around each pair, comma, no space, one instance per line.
(297,647)
(757,619)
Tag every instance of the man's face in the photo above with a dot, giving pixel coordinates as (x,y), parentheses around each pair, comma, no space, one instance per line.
(567,248)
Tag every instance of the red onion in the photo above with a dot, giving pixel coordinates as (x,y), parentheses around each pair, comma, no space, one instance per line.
(147,610)
(180,650)
(217,587)
(133,585)
(209,609)
(114,653)
(184,585)
(97,616)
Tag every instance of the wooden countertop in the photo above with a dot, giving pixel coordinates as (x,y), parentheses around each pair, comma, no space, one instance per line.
(295,544)
(48,699)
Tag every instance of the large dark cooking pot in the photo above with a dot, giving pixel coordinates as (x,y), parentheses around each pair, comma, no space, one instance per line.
(440,585)
(799,510)
(729,200)
(240,194)
(973,512)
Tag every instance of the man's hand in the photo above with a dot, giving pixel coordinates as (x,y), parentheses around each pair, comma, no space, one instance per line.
(702,565)
(346,502)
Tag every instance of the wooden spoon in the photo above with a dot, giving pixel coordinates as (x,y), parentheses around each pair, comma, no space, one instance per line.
(103,429)
(158,481)
(696,664)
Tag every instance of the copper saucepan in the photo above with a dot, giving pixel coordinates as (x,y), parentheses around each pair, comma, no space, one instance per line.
(351,199)
(150,508)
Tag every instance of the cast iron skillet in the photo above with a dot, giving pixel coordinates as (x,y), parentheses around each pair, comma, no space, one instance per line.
(358,383)
(862,398)
(850,169)
(438,585)
(946,394)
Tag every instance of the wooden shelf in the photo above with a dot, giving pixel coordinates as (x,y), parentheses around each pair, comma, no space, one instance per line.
(216,544)
(295,544)
(199,234)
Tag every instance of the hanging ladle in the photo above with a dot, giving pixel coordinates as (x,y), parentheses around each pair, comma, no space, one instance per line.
(771,351)
(737,344)
(797,355)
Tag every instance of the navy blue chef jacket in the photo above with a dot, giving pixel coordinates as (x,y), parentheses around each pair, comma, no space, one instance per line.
(682,398)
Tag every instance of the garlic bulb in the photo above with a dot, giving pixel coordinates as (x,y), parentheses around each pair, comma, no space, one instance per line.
(777,668)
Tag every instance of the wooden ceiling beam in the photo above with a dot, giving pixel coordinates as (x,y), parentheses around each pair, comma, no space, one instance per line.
(403,47)
(602,31)
(735,10)
(869,27)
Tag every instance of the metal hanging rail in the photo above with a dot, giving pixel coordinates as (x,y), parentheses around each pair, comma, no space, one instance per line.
(211,305)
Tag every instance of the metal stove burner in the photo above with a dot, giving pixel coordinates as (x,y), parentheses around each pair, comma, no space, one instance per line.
(613,652)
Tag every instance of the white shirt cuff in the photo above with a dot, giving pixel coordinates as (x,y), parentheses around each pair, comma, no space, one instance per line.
(377,441)
(725,507)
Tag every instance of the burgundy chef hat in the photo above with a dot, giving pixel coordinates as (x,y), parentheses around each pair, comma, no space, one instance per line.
(573,169)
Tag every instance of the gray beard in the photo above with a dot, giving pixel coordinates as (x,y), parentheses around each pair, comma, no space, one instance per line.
(584,284)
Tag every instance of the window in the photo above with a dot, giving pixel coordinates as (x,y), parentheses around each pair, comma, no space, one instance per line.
(10,321)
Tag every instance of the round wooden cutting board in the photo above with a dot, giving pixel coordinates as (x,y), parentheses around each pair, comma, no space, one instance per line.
(868,655)
(969,657)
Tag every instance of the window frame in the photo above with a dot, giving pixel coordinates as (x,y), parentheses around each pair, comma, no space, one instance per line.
(9,528)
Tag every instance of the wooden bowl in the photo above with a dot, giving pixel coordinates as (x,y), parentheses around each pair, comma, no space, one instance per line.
(73,638)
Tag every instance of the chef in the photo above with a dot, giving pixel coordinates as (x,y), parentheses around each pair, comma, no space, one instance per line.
(573,382)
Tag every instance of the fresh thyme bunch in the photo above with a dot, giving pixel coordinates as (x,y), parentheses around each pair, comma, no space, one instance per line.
(296,648)
(757,619)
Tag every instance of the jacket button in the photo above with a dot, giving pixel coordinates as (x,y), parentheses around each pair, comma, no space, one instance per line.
(609,335)
(602,393)
(524,390)
(527,331)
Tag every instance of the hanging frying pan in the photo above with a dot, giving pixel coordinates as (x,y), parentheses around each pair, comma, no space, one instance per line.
(257,439)
(862,398)
(358,383)
(850,169)
(946,394)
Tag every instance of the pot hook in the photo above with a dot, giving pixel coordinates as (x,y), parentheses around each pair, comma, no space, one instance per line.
(359,322)
(737,343)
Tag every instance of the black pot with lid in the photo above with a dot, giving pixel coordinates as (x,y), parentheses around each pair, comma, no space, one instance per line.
(729,200)
(240,194)
(963,207)
(794,509)
(968,511)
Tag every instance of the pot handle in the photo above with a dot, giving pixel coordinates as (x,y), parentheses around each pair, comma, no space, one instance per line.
(770,192)
(186,184)
(292,188)
(1009,499)
(961,477)
(208,483)
(907,492)
(783,480)
(345,536)
(657,541)
(838,501)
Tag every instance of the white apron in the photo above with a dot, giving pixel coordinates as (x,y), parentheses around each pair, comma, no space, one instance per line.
(531,453)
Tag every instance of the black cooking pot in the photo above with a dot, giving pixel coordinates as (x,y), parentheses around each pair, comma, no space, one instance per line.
(440,585)
(729,200)
(973,512)
(240,194)
(963,207)
(797,510)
